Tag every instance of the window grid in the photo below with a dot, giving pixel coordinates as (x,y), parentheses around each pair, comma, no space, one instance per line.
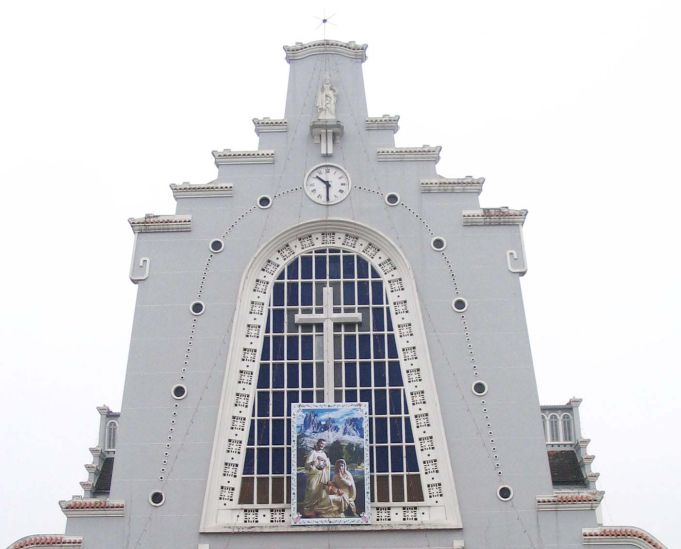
(366,369)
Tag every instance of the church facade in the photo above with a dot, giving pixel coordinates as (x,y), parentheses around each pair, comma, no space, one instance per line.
(329,349)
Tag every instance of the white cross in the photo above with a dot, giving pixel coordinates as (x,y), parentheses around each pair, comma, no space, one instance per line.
(328,318)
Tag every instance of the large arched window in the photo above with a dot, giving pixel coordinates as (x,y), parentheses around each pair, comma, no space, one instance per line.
(365,368)
(375,352)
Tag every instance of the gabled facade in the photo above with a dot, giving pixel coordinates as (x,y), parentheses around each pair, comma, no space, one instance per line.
(332,268)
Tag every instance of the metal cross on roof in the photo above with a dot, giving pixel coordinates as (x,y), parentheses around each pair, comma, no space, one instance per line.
(323,21)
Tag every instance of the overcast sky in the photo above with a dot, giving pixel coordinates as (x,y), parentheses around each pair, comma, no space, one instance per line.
(569,109)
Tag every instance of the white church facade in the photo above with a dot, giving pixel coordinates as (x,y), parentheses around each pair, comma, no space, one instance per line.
(329,349)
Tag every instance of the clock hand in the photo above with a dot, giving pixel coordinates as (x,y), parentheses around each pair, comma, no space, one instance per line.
(323,181)
(328,186)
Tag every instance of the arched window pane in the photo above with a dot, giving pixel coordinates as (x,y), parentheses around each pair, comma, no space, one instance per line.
(554,429)
(365,369)
(110,441)
(567,428)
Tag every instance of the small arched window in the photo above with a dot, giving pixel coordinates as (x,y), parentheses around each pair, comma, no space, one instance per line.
(554,428)
(543,424)
(566,420)
(110,438)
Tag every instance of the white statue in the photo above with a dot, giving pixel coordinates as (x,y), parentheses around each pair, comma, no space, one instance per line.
(326,101)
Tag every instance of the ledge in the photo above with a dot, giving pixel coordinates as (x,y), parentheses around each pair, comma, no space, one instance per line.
(402,154)
(92,507)
(385,122)
(270,125)
(206,190)
(228,156)
(151,223)
(494,216)
(618,535)
(570,501)
(466,184)
(49,540)
(320,47)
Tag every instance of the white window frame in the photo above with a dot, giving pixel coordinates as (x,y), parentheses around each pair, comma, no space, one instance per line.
(219,515)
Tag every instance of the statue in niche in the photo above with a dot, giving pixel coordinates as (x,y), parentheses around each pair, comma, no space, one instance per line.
(326,101)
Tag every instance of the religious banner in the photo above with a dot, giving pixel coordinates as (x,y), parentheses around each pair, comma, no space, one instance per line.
(330,463)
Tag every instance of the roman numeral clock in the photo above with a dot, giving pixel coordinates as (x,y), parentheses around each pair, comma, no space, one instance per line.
(327,184)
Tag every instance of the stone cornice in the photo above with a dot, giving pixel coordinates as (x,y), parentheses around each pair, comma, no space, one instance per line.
(570,501)
(618,535)
(320,47)
(151,223)
(206,190)
(50,540)
(494,216)
(270,125)
(466,184)
(228,156)
(91,507)
(385,122)
(391,154)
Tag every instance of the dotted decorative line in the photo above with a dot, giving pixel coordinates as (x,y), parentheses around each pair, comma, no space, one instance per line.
(199,294)
(464,322)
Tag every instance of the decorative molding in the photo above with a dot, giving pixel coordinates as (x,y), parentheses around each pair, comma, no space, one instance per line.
(91,507)
(468,184)
(222,512)
(494,216)
(570,501)
(206,190)
(270,125)
(405,154)
(620,535)
(385,122)
(144,263)
(152,223)
(320,47)
(583,442)
(228,156)
(50,540)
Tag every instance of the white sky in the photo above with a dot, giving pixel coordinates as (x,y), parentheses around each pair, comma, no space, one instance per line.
(569,109)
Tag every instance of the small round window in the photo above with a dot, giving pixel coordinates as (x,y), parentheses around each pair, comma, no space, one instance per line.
(264,202)
(438,243)
(392,199)
(480,388)
(157,498)
(459,304)
(179,391)
(197,308)
(217,245)
(505,492)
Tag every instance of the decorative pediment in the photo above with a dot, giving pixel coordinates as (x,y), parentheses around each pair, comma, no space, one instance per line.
(206,190)
(385,122)
(466,184)
(51,541)
(152,223)
(405,154)
(319,47)
(228,156)
(270,125)
(494,216)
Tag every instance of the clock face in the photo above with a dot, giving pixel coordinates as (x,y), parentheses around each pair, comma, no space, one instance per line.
(327,184)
